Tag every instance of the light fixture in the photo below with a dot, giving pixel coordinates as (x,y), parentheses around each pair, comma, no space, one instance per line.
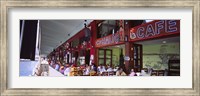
(164,42)
(126,22)
(85,23)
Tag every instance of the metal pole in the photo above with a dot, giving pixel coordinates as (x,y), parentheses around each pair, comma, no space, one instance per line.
(21,35)
(37,40)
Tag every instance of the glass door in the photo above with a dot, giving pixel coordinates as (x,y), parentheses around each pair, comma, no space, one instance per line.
(105,57)
(137,57)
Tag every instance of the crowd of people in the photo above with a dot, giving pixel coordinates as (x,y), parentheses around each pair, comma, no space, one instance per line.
(86,69)
(89,70)
(93,70)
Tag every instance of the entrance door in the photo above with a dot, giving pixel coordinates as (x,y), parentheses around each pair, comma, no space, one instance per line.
(137,57)
(105,56)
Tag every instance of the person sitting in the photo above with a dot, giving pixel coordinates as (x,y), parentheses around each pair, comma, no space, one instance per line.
(92,72)
(93,67)
(73,70)
(87,70)
(115,69)
(57,66)
(101,69)
(120,72)
(67,70)
(110,71)
(62,69)
(132,73)
(52,62)
(143,73)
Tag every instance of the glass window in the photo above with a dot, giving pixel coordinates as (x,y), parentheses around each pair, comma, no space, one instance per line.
(101,61)
(105,56)
(108,61)
(108,54)
(101,53)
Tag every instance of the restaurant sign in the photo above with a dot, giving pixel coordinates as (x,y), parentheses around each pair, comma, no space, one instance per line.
(155,29)
(112,39)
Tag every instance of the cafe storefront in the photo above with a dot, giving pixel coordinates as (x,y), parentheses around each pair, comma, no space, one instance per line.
(110,42)
(161,35)
(131,44)
(154,45)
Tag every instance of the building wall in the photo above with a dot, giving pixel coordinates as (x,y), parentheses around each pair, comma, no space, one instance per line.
(156,56)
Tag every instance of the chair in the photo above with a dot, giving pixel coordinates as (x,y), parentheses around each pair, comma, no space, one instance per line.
(160,72)
(111,73)
(153,73)
(105,73)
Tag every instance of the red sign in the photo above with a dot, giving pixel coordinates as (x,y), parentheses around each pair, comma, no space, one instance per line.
(112,39)
(155,29)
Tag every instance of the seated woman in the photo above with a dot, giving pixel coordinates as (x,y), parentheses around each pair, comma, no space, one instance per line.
(120,72)
(132,73)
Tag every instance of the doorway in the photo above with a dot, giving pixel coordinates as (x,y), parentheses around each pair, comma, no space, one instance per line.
(137,57)
(105,57)
(87,57)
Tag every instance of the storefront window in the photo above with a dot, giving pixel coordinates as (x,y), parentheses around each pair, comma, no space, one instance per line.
(108,54)
(101,61)
(108,61)
(105,56)
(101,53)
(137,57)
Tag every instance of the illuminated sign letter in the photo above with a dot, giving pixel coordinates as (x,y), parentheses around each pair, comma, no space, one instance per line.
(171,26)
(149,31)
(139,34)
(159,26)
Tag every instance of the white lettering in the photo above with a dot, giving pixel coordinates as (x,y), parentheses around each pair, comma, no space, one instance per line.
(149,31)
(159,26)
(171,26)
(139,34)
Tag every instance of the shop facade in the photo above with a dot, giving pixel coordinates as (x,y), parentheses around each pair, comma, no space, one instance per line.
(154,45)
(114,43)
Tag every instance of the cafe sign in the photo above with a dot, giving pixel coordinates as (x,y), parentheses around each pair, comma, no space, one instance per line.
(155,29)
(112,39)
